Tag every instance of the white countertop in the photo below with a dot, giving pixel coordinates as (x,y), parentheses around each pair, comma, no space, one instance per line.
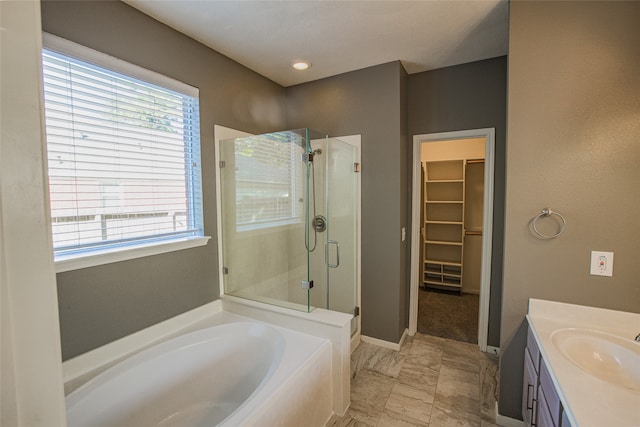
(587,400)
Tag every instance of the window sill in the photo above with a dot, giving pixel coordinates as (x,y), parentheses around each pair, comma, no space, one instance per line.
(77,262)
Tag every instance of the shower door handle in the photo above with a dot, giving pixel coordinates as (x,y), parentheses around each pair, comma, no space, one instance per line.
(326,254)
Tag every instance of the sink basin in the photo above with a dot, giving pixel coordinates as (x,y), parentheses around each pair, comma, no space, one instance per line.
(608,357)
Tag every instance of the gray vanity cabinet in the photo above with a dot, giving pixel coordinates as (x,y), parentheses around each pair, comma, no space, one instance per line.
(530,381)
(545,419)
(541,406)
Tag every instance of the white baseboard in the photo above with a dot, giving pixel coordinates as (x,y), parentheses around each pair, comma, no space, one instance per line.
(404,336)
(503,421)
(493,350)
(385,344)
(355,341)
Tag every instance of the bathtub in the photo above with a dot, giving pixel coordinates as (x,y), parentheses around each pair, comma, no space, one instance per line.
(234,374)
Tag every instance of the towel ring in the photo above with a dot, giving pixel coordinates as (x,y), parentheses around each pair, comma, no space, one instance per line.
(546,212)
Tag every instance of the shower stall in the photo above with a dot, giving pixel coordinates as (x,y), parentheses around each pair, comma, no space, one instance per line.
(290,220)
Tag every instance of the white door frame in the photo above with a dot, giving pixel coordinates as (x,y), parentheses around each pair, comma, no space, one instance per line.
(487,232)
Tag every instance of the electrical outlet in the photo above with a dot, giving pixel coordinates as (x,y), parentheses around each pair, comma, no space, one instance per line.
(601,263)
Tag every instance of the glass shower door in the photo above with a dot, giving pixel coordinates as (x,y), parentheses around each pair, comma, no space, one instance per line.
(262,188)
(289,220)
(334,268)
(342,230)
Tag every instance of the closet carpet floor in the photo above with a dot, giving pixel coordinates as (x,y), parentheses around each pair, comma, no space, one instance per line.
(448,315)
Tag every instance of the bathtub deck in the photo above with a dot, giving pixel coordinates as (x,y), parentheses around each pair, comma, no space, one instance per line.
(182,380)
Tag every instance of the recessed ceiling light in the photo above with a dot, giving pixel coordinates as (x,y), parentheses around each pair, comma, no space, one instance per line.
(301,65)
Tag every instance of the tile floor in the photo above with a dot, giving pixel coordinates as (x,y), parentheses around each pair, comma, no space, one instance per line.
(431,381)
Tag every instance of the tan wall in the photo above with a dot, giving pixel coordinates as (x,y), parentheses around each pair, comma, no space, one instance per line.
(471,148)
(572,145)
(464,149)
(473,221)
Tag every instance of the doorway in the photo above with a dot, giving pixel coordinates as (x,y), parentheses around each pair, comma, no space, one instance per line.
(452,216)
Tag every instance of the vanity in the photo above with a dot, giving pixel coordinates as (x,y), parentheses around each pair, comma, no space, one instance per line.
(581,366)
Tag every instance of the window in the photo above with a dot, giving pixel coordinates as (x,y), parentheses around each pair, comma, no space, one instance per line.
(269,176)
(123,154)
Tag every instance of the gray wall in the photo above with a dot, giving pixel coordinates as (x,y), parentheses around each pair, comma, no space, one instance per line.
(573,146)
(469,96)
(370,102)
(101,304)
(405,195)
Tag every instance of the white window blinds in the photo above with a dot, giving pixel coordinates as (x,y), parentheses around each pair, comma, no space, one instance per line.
(123,158)
(269,176)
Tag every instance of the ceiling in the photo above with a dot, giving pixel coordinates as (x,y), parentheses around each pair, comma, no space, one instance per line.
(339,36)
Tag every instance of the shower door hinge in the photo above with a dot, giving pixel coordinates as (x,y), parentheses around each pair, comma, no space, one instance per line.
(356,311)
(225,270)
(307,284)
(222,164)
(356,167)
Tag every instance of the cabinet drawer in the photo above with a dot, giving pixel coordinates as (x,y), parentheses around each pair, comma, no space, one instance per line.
(545,419)
(529,392)
(553,401)
(534,352)
(565,420)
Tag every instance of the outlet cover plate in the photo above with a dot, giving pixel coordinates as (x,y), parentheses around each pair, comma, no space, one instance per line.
(601,263)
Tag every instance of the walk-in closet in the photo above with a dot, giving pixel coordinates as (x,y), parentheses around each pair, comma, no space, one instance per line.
(451,238)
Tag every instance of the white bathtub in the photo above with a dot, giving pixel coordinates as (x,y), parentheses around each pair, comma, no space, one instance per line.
(235,374)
